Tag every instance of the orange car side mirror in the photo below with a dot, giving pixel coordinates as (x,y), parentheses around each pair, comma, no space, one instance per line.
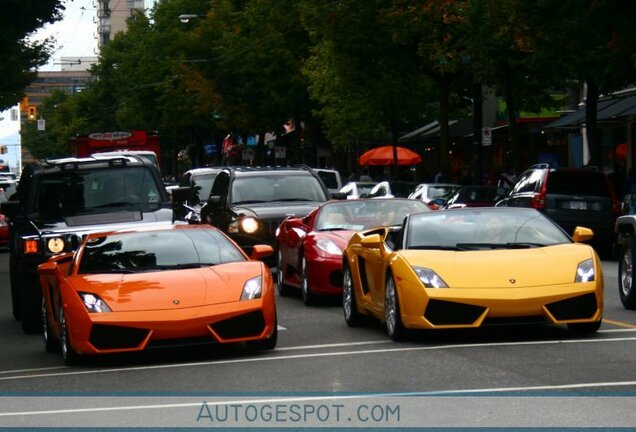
(582,234)
(49,267)
(261,251)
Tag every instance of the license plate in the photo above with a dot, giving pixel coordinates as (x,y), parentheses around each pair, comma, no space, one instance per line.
(578,205)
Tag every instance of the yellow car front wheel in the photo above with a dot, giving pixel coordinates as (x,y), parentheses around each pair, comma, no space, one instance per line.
(394,326)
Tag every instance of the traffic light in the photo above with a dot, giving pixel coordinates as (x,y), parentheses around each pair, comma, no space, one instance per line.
(3,149)
(32,112)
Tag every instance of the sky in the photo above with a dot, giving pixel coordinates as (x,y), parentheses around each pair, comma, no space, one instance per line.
(75,34)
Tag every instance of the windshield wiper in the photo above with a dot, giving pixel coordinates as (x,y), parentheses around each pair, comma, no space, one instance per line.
(523,245)
(183,266)
(248,202)
(434,247)
(334,229)
(510,245)
(294,199)
(116,204)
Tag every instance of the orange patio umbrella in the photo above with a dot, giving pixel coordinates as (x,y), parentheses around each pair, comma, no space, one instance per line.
(384,156)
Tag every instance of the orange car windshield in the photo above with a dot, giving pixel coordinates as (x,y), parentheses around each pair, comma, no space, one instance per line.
(157,250)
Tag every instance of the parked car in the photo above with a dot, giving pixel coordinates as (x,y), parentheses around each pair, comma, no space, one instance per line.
(468,268)
(59,201)
(473,196)
(571,197)
(8,186)
(428,192)
(331,179)
(249,203)
(625,229)
(4,228)
(310,248)
(357,189)
(200,181)
(123,291)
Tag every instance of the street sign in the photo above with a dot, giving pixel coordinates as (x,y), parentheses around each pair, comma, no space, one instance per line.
(486,136)
(41,124)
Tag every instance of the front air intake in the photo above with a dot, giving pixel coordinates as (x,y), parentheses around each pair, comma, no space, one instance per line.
(440,312)
(246,325)
(105,336)
(580,307)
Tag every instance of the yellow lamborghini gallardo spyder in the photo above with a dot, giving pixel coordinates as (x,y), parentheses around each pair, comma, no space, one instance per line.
(472,267)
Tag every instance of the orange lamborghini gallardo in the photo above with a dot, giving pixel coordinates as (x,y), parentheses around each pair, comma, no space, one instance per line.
(129,290)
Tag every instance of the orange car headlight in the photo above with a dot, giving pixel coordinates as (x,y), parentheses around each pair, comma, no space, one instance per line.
(429,278)
(252,289)
(93,303)
(585,271)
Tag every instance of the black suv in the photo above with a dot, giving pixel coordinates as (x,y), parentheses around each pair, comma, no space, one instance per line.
(250,203)
(59,201)
(571,197)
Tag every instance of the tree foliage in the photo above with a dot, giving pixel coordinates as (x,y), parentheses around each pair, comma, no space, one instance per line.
(19,19)
(352,72)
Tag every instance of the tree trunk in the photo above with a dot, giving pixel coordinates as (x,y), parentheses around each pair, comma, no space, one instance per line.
(478,124)
(591,129)
(515,147)
(444,162)
(395,135)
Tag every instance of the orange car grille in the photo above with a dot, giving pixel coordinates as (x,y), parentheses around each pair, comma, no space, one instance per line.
(440,312)
(579,307)
(249,324)
(116,337)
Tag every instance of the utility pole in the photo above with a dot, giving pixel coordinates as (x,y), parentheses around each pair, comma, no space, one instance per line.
(478,124)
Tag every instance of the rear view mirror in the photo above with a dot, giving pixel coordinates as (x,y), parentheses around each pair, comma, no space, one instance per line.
(338,195)
(182,194)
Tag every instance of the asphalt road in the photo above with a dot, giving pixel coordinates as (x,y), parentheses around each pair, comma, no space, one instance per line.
(323,373)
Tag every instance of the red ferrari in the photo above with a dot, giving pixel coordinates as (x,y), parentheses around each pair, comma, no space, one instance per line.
(135,289)
(310,248)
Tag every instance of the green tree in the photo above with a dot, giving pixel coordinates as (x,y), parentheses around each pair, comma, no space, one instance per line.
(19,19)
(438,30)
(368,87)
(596,45)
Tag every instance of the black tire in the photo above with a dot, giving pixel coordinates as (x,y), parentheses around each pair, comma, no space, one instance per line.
(394,326)
(585,328)
(69,356)
(352,317)
(265,344)
(284,290)
(31,300)
(15,289)
(50,343)
(308,297)
(626,290)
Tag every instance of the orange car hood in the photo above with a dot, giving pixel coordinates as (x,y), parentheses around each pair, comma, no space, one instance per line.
(169,288)
(551,265)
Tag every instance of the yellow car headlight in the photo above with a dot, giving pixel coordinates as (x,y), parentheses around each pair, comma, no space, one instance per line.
(55,245)
(585,271)
(429,278)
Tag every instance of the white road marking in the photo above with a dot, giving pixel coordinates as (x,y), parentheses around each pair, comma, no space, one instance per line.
(321,354)
(330,397)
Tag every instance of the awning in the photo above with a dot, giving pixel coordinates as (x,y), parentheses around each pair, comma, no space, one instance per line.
(457,128)
(612,108)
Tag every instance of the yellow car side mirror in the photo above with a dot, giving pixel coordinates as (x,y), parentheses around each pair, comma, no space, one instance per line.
(373,241)
(582,234)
